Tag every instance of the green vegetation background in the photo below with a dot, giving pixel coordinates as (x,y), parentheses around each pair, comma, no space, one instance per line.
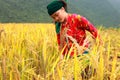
(99,12)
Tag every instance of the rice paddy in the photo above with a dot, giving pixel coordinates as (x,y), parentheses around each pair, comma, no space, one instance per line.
(29,51)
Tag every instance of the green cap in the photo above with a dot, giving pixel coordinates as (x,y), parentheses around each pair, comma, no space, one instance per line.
(54,6)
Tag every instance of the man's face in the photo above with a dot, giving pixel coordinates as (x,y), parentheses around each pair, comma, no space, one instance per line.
(58,16)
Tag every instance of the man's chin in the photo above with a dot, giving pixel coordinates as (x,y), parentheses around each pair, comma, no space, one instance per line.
(62,21)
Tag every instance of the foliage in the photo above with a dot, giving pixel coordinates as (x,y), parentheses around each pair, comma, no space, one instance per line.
(28,11)
(30,52)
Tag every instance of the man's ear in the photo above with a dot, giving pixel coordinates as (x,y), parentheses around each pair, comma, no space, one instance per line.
(63,8)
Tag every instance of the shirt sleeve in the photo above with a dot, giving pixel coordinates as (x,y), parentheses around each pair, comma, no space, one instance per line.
(58,39)
(85,24)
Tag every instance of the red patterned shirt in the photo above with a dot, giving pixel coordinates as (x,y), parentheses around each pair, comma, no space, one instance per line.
(75,27)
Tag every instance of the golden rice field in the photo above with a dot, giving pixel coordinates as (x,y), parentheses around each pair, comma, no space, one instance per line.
(30,52)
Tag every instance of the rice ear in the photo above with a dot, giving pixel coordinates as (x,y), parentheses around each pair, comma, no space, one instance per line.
(79,48)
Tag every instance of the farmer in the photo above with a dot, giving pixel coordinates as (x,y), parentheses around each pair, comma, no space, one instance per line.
(70,28)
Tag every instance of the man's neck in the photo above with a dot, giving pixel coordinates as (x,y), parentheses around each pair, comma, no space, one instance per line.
(66,18)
